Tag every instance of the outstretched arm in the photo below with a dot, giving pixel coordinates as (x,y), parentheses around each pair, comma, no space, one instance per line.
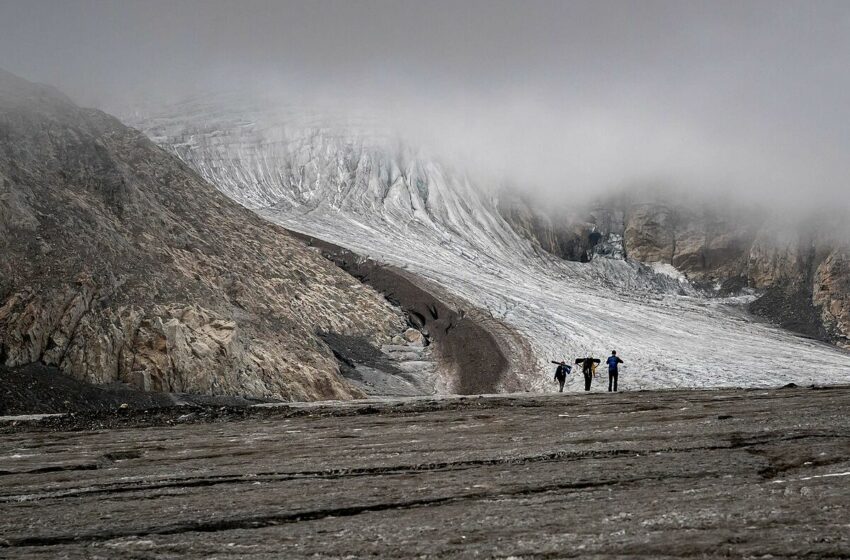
(619,361)
(597,360)
(579,360)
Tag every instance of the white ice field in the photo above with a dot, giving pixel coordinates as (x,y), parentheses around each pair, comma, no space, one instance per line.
(348,184)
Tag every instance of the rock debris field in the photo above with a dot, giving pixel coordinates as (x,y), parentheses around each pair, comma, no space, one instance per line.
(709,473)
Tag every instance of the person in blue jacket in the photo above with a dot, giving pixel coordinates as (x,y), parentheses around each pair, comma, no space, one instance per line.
(613,371)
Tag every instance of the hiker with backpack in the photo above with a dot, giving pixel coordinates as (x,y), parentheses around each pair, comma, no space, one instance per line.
(613,371)
(561,373)
(587,366)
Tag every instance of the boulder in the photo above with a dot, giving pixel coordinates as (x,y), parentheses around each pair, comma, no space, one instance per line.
(414,337)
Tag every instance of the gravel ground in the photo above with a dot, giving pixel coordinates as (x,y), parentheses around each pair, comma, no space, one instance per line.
(40,389)
(741,473)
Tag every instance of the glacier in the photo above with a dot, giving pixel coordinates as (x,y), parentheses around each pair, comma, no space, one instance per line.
(350,181)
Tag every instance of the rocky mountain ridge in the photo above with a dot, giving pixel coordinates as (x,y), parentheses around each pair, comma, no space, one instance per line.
(120,263)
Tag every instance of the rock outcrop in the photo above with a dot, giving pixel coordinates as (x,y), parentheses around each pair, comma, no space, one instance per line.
(119,263)
(831,294)
(709,244)
(571,239)
(802,274)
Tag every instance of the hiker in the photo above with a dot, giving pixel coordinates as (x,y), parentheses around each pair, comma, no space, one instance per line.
(587,366)
(561,373)
(613,371)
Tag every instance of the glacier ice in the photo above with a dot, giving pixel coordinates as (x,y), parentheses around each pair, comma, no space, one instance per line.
(352,183)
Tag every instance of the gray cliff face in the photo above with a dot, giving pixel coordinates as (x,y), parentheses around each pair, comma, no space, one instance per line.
(572,241)
(803,275)
(709,245)
(831,294)
(121,263)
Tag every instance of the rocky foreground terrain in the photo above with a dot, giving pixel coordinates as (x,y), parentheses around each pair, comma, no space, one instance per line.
(120,264)
(668,474)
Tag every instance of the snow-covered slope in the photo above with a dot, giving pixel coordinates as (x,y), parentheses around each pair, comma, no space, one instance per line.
(350,183)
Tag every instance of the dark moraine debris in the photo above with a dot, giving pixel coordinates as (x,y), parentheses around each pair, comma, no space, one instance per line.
(463,346)
(42,389)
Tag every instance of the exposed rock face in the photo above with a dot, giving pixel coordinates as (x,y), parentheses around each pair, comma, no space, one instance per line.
(648,233)
(831,294)
(120,263)
(572,240)
(804,276)
(710,245)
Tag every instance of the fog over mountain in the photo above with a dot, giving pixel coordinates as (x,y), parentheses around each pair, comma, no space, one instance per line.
(561,99)
(314,278)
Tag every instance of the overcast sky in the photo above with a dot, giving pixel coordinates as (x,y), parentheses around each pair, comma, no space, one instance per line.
(568,97)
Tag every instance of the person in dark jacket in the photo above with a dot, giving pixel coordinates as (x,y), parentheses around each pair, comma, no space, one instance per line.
(561,373)
(587,369)
(613,372)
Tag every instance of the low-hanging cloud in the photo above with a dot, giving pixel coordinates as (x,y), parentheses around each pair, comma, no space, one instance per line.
(563,99)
